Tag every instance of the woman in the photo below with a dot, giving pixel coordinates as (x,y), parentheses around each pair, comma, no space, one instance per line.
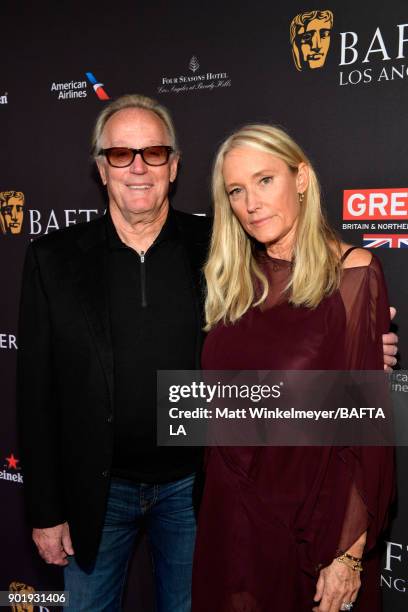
(286,528)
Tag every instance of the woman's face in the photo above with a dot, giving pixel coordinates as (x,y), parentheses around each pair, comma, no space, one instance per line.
(263,193)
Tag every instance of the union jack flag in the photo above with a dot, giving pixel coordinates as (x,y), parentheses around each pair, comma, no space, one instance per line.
(387,241)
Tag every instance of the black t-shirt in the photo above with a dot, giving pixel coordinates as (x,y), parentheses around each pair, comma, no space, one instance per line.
(155,325)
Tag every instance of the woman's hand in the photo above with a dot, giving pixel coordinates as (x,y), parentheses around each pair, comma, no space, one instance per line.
(337,584)
(390,346)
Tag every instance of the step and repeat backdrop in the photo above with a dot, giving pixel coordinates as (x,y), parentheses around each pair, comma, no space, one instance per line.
(334,74)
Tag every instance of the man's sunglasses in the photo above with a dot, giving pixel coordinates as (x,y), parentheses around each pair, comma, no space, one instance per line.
(121,157)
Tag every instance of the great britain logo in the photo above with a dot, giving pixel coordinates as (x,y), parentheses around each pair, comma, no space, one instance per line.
(375,211)
(385,241)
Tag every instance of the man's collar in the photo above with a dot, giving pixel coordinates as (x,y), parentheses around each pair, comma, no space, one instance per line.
(169,231)
(113,240)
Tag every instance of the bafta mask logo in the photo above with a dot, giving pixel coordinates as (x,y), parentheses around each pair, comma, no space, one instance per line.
(310,38)
(11,211)
(21,589)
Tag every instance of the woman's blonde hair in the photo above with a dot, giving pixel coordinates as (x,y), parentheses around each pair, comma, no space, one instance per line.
(231,267)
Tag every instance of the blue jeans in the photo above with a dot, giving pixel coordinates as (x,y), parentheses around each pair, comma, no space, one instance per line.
(171,526)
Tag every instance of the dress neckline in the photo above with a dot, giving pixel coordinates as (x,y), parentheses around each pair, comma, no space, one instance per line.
(264,258)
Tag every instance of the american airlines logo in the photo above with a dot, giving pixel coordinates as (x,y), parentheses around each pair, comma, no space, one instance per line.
(374,204)
(98,87)
(69,90)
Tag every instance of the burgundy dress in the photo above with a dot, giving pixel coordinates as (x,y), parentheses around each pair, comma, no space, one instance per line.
(271,517)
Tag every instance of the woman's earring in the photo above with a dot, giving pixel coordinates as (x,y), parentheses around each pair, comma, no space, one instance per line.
(301,197)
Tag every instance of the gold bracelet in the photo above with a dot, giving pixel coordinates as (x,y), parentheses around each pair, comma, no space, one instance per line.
(353,563)
(346,554)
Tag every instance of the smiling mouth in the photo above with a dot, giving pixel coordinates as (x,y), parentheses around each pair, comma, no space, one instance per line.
(139,187)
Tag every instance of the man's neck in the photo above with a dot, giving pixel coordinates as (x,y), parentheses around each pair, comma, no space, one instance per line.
(140,231)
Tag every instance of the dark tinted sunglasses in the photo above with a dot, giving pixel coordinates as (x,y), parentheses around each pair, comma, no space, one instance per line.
(121,157)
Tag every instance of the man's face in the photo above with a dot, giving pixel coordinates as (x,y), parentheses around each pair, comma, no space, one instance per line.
(138,191)
(314,42)
(12,212)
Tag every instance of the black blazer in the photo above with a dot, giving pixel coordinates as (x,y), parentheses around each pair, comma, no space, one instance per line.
(65,375)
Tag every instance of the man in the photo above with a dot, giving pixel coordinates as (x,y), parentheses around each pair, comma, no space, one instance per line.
(104,305)
(310,38)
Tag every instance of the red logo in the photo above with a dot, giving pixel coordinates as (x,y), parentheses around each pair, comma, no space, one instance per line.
(11,471)
(98,87)
(12,462)
(387,241)
(374,204)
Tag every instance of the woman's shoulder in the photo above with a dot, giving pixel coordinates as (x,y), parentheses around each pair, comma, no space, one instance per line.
(355,257)
(360,269)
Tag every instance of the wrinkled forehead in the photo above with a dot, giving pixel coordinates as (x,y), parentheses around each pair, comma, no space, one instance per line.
(135,122)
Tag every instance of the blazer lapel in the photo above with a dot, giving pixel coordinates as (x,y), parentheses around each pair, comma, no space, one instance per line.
(91,278)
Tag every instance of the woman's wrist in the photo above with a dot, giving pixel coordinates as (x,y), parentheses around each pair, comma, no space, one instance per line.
(352,562)
(357,549)
(352,557)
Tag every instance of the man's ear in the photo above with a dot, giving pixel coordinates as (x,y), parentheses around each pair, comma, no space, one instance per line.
(102,170)
(174,167)
(302,178)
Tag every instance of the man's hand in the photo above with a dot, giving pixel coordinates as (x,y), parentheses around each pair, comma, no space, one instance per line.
(54,543)
(390,346)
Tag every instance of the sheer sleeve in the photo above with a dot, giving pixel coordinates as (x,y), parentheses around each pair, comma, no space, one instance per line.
(364,295)
(365,299)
